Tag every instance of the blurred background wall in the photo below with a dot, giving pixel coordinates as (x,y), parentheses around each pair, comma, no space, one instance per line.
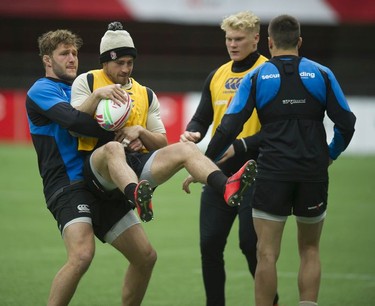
(179,43)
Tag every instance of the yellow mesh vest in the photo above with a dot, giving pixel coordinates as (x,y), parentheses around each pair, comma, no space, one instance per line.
(223,87)
(140,104)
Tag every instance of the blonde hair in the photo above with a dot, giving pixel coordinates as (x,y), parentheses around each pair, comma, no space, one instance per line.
(246,21)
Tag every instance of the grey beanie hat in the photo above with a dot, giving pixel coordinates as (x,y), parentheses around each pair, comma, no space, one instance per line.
(116,43)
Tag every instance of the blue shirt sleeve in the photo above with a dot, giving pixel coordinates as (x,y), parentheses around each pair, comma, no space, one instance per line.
(238,112)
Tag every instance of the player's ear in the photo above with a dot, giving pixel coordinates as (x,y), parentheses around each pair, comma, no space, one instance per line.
(256,37)
(299,42)
(47,60)
(270,43)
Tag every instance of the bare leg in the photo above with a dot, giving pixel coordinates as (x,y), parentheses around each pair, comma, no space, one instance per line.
(269,235)
(109,160)
(169,160)
(134,245)
(310,268)
(80,246)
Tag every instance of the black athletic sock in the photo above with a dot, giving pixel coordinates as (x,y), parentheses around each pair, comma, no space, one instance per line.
(129,192)
(276,299)
(217,180)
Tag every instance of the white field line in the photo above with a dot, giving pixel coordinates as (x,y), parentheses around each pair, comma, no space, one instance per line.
(337,276)
(282,274)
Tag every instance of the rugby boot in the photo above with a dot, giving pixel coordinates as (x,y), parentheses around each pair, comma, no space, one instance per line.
(238,183)
(143,195)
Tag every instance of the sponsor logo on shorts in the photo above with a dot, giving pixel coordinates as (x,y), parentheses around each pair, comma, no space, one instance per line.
(315,206)
(83,208)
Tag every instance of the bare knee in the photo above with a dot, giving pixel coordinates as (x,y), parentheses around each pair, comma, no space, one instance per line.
(146,261)
(189,148)
(267,254)
(113,148)
(150,258)
(308,253)
(81,259)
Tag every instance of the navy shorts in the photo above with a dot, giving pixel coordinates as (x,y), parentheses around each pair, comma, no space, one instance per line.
(109,207)
(283,198)
(137,161)
(72,202)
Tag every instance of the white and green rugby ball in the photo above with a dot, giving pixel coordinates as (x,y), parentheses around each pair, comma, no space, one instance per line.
(111,116)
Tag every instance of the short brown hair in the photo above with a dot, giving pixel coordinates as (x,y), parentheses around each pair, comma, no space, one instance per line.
(285,31)
(49,41)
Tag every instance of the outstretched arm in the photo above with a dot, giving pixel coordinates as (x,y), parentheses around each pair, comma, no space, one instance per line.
(231,124)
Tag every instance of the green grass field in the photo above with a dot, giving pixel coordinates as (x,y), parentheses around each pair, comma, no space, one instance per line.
(32,251)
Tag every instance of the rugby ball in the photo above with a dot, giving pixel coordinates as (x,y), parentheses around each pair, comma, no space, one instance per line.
(111,116)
